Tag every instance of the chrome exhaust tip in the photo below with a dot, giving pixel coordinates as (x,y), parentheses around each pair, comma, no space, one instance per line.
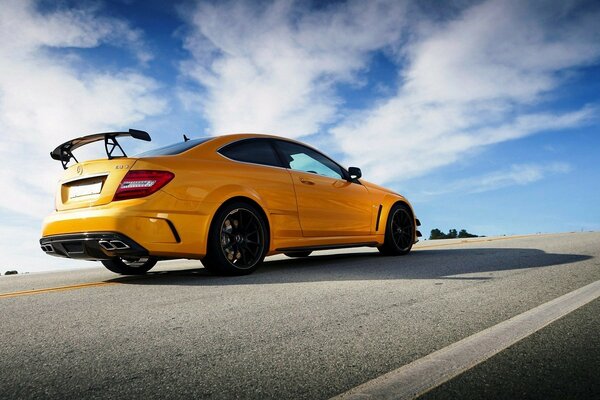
(47,248)
(119,245)
(106,245)
(113,245)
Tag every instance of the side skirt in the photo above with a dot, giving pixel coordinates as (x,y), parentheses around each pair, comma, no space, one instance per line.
(328,246)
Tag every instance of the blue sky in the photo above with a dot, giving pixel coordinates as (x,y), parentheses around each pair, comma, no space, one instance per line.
(483,113)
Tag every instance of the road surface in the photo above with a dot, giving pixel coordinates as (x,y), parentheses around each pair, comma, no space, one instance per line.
(307,328)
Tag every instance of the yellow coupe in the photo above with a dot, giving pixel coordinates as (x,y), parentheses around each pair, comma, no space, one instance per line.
(228,201)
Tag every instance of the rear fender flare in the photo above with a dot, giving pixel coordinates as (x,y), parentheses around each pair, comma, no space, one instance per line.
(226,193)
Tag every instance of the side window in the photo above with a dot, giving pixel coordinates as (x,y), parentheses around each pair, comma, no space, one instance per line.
(257,151)
(300,158)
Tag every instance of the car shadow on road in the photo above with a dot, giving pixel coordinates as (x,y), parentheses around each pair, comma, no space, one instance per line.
(463,264)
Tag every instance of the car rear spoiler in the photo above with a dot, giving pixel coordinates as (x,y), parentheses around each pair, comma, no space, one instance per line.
(64,152)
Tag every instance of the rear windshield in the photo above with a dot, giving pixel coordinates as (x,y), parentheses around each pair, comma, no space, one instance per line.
(174,148)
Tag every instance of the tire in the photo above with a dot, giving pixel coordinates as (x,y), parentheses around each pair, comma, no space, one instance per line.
(298,254)
(399,232)
(238,240)
(130,266)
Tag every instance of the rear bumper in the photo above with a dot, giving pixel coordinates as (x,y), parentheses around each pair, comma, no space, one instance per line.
(164,226)
(92,246)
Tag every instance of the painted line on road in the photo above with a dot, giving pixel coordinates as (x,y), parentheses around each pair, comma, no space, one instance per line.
(424,374)
(55,289)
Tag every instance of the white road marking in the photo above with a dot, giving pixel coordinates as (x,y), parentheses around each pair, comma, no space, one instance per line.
(422,375)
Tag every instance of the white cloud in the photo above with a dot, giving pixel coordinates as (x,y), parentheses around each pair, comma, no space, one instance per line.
(25,29)
(468,84)
(516,174)
(464,83)
(499,50)
(46,99)
(272,67)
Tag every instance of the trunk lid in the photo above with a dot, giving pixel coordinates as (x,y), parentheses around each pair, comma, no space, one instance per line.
(91,183)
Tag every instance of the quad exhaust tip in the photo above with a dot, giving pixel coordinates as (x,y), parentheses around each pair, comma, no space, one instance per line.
(113,245)
(47,248)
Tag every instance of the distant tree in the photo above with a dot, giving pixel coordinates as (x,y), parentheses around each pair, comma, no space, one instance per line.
(464,234)
(13,272)
(452,234)
(437,234)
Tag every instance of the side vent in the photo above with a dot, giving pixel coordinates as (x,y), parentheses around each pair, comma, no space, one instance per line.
(378,218)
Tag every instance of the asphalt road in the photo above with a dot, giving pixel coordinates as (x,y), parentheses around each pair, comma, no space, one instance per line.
(306,329)
(561,361)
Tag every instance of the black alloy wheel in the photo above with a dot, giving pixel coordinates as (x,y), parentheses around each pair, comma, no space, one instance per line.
(130,265)
(399,232)
(238,241)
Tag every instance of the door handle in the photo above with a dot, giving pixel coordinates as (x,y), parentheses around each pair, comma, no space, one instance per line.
(306,181)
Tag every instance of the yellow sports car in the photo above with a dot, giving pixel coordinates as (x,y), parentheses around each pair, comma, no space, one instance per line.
(228,201)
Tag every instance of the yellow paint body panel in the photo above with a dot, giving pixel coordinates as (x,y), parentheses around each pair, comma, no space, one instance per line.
(174,222)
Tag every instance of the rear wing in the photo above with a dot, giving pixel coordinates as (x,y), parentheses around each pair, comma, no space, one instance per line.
(64,152)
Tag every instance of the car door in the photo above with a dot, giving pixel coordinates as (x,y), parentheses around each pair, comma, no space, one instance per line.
(328,204)
(261,172)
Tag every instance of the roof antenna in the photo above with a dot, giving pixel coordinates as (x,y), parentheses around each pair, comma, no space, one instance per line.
(185,138)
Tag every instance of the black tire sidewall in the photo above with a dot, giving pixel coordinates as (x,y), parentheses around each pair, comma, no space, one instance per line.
(389,247)
(215,261)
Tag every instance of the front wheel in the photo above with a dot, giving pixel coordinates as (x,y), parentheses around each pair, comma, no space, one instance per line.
(238,240)
(399,232)
(130,265)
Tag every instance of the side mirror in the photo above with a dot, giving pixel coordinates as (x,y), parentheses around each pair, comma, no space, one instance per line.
(354,172)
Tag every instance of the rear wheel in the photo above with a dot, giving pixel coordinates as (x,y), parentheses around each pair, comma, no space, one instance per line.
(298,254)
(238,240)
(399,232)
(130,265)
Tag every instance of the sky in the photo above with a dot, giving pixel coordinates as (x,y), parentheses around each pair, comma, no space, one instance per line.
(484,114)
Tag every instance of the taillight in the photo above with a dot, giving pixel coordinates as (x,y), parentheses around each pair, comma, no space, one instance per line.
(141,183)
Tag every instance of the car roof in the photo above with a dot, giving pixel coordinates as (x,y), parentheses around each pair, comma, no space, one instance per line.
(219,141)
(210,147)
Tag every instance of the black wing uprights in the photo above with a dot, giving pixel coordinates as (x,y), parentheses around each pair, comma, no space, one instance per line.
(64,152)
